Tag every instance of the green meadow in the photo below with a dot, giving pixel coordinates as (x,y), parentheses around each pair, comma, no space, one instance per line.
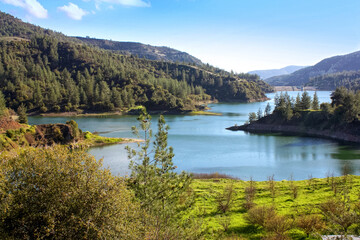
(223,207)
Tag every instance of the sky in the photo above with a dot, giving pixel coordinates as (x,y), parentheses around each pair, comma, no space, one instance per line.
(238,35)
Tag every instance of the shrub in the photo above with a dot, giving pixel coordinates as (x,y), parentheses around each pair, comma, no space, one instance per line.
(260,215)
(75,128)
(225,199)
(10,133)
(250,192)
(272,186)
(56,193)
(310,224)
(277,226)
(339,214)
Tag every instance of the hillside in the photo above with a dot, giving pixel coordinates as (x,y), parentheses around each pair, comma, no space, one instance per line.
(349,62)
(50,72)
(347,79)
(264,74)
(143,50)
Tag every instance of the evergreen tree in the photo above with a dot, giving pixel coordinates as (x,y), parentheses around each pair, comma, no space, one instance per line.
(297,106)
(153,179)
(252,117)
(2,103)
(259,114)
(267,110)
(305,101)
(21,111)
(315,102)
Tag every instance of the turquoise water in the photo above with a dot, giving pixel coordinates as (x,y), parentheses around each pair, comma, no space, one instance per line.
(201,144)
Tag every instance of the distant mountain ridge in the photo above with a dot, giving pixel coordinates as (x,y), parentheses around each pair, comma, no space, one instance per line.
(14,27)
(143,50)
(336,64)
(264,74)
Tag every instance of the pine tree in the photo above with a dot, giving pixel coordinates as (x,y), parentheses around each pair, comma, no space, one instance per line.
(298,102)
(259,114)
(267,110)
(2,103)
(21,111)
(315,102)
(153,179)
(252,117)
(305,101)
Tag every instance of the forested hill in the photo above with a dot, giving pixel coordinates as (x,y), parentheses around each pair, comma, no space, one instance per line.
(143,50)
(337,64)
(48,71)
(347,79)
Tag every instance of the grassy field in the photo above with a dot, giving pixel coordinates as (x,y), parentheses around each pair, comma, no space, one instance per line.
(292,200)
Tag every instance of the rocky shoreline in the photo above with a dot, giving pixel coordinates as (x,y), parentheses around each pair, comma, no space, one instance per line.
(339,134)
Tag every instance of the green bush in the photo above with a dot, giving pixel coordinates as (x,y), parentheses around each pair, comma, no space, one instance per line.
(60,194)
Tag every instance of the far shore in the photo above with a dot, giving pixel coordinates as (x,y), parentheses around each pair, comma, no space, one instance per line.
(339,135)
(119,113)
(294,88)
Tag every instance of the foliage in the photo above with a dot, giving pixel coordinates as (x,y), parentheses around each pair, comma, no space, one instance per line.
(75,128)
(305,102)
(47,71)
(347,79)
(340,214)
(2,103)
(55,193)
(267,110)
(250,224)
(284,106)
(21,111)
(310,223)
(342,113)
(154,182)
(261,215)
(252,117)
(315,103)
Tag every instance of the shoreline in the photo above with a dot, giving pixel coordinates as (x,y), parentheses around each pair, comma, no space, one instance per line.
(296,130)
(104,144)
(72,114)
(135,111)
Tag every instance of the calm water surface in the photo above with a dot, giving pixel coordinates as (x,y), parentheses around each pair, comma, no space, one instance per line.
(201,144)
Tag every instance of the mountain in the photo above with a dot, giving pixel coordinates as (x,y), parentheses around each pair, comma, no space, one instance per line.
(337,64)
(143,50)
(43,71)
(264,74)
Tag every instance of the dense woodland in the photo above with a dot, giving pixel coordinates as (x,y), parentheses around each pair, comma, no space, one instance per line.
(347,79)
(47,71)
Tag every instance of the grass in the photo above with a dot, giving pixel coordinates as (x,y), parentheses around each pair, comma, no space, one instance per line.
(205,113)
(310,193)
(92,140)
(215,175)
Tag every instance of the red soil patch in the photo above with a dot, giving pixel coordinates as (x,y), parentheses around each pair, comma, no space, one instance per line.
(8,123)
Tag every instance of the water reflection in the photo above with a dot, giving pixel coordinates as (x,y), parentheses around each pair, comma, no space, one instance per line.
(201,144)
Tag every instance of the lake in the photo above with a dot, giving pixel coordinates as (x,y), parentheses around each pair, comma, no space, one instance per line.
(203,145)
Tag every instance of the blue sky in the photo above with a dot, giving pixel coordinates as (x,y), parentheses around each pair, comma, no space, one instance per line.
(239,35)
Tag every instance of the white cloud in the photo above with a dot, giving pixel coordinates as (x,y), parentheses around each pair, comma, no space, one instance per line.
(31,6)
(73,11)
(128,3)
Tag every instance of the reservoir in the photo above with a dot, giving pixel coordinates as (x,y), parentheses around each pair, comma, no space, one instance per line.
(203,145)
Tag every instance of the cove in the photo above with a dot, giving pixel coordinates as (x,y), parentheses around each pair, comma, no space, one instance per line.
(203,145)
